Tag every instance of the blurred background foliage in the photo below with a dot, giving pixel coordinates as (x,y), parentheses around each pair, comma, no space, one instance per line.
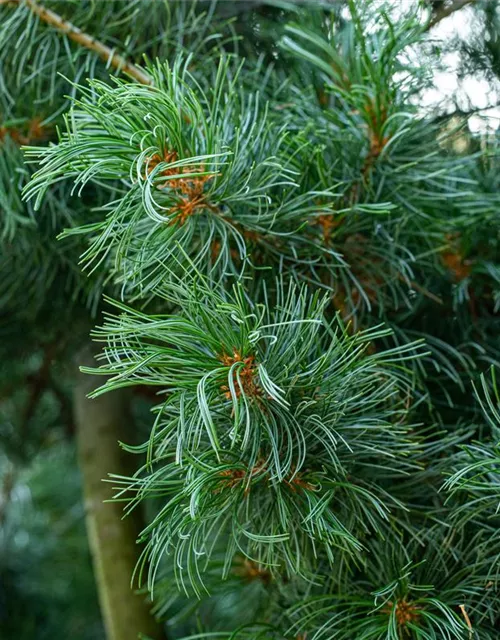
(47,588)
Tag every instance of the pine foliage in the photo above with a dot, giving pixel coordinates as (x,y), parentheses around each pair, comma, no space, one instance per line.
(301,265)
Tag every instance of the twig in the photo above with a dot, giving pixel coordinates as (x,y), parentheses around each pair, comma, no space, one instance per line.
(447,10)
(53,19)
(467,619)
(466,114)
(421,289)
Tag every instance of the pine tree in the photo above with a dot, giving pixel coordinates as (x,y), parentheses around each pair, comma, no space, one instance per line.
(299,265)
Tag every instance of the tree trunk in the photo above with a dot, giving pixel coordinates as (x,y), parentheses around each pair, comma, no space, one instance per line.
(100,423)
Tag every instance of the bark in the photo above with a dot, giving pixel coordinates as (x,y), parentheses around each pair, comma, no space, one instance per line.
(447,10)
(100,423)
(85,40)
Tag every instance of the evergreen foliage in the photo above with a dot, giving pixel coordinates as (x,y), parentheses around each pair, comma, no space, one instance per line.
(42,532)
(302,266)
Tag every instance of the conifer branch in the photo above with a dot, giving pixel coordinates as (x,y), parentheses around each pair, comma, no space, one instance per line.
(290,454)
(447,10)
(85,40)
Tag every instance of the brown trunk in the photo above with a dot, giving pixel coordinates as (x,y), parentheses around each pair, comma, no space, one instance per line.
(100,424)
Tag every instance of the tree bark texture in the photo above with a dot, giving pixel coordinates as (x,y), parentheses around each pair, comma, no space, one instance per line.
(100,424)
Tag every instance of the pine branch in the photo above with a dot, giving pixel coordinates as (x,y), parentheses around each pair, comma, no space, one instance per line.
(446,11)
(279,434)
(261,427)
(227,181)
(85,40)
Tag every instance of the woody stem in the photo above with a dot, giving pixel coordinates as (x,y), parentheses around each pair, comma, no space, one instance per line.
(85,40)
